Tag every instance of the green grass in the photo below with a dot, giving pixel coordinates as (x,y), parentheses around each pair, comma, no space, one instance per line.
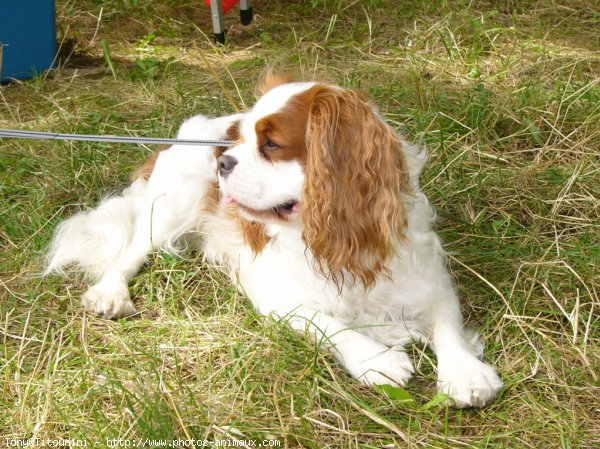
(505,95)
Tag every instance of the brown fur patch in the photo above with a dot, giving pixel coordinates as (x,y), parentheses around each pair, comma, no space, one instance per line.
(286,129)
(210,201)
(233,134)
(254,234)
(356,173)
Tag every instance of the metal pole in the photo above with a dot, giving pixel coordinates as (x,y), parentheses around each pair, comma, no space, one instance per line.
(246,13)
(216,11)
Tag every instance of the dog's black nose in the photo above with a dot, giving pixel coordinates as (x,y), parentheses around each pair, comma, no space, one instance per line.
(226,165)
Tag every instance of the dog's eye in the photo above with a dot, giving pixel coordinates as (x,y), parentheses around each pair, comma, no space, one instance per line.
(268,145)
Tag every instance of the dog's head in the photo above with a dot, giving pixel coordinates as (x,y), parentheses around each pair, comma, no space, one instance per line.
(320,156)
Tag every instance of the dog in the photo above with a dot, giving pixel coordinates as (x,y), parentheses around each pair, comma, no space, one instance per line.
(316,214)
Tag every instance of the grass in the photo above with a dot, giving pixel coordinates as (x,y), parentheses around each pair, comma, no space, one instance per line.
(505,95)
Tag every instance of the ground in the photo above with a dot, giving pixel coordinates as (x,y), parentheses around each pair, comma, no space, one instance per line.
(506,97)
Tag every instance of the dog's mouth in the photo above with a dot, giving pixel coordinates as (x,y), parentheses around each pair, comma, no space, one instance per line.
(282,211)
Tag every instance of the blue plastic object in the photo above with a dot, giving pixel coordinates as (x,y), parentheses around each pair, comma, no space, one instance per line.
(28,38)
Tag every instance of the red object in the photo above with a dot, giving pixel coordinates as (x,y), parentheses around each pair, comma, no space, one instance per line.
(227,4)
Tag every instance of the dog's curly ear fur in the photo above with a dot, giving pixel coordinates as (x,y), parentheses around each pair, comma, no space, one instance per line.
(356,174)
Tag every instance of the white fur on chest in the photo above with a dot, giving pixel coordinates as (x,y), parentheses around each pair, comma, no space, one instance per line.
(395,311)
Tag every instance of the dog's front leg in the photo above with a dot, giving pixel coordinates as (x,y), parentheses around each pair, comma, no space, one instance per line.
(367,360)
(170,208)
(109,297)
(461,375)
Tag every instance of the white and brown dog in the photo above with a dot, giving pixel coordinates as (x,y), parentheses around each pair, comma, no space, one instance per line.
(317,215)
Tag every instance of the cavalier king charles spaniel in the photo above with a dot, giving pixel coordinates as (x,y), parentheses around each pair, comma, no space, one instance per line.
(316,215)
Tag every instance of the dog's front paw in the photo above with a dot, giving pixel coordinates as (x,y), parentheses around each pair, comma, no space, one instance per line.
(108,300)
(382,367)
(468,381)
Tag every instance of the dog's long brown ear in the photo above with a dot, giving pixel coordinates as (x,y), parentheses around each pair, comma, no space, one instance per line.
(356,173)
